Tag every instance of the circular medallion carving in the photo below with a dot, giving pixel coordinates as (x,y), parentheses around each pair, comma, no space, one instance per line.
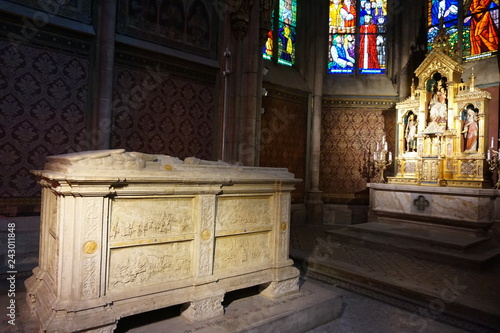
(283,226)
(168,167)
(205,234)
(90,247)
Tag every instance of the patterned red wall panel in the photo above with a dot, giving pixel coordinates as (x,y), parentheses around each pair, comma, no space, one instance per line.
(284,137)
(42,112)
(348,137)
(163,114)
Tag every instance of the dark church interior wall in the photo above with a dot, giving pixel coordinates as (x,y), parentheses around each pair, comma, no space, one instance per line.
(283,134)
(44,75)
(160,103)
(160,107)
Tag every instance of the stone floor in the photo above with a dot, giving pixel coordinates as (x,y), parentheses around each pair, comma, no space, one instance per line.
(382,291)
(362,313)
(427,290)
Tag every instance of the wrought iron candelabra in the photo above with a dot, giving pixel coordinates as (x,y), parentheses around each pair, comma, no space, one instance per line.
(381,159)
(494,162)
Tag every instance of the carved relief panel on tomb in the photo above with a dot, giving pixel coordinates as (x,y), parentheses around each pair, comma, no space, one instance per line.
(206,248)
(243,232)
(93,208)
(284,226)
(241,251)
(137,266)
(133,219)
(150,240)
(237,214)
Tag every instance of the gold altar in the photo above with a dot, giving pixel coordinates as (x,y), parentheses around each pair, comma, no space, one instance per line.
(442,128)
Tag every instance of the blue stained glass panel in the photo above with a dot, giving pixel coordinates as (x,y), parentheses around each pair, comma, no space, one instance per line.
(286,44)
(283,35)
(446,10)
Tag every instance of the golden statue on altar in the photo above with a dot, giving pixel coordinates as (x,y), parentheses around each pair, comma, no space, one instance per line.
(442,128)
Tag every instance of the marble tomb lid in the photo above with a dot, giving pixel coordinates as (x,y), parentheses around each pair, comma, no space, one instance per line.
(118,163)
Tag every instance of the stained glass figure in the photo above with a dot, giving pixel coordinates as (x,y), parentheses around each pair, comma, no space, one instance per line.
(283,33)
(481,23)
(477,34)
(357,39)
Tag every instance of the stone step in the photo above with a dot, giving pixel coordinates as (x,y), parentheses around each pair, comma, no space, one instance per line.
(451,248)
(313,306)
(434,236)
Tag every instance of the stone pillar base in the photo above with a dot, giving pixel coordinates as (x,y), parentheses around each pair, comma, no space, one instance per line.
(206,308)
(277,289)
(52,317)
(285,282)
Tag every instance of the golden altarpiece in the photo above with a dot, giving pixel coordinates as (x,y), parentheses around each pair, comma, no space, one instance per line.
(442,128)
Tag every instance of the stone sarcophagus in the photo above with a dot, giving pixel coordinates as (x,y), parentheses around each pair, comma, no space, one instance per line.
(124,233)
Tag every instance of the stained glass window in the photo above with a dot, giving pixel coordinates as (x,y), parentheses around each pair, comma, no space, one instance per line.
(357,36)
(472,26)
(284,28)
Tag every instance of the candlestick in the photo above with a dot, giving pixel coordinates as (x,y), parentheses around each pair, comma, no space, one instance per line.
(494,162)
(380,162)
(492,141)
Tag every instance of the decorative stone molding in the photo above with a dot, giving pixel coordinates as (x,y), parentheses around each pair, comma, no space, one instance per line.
(346,102)
(240,17)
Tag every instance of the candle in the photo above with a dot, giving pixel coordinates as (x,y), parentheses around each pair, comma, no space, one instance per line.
(492,140)
(375,156)
(390,156)
(377,147)
(385,146)
(489,155)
